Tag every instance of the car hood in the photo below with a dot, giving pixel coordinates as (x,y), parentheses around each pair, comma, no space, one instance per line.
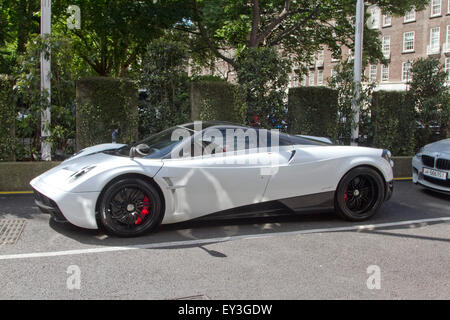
(100,168)
(442,147)
(96,149)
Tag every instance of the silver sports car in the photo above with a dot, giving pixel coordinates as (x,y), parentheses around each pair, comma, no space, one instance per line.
(431,166)
(199,169)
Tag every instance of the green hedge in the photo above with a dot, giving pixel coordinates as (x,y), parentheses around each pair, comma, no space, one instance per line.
(393,122)
(216,100)
(104,104)
(7,119)
(313,111)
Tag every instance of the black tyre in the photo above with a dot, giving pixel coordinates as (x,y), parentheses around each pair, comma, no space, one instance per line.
(130,207)
(360,194)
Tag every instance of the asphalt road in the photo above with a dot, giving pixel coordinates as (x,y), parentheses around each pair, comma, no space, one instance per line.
(287,257)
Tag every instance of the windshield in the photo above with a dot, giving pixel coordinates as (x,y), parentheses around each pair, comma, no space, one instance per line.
(160,144)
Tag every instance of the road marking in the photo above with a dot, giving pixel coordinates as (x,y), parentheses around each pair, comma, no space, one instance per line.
(172,244)
(402,179)
(15,192)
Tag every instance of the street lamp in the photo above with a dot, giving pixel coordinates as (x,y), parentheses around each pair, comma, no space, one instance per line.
(46,30)
(357,69)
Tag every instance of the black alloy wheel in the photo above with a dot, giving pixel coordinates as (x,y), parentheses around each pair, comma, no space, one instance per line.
(360,194)
(130,207)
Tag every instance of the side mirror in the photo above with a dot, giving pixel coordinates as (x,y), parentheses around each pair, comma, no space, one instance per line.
(142,149)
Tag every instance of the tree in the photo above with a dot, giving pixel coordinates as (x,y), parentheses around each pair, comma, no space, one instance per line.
(115,33)
(344,84)
(19,22)
(165,81)
(429,94)
(235,30)
(299,27)
(264,75)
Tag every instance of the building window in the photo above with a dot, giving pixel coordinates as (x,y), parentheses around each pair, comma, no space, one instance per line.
(320,77)
(435,37)
(385,73)
(303,82)
(387,19)
(311,78)
(373,73)
(406,71)
(386,46)
(374,21)
(448,7)
(408,41)
(320,55)
(410,16)
(448,34)
(435,8)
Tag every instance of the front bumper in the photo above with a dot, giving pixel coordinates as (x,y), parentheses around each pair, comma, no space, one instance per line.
(76,208)
(429,182)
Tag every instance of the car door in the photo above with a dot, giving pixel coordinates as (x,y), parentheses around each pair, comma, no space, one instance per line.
(309,171)
(213,182)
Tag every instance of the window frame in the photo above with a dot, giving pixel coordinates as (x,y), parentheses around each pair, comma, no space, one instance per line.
(438,37)
(375,14)
(320,77)
(432,14)
(413,41)
(413,19)
(408,72)
(383,44)
(385,16)
(384,67)
(373,73)
(311,83)
(447,38)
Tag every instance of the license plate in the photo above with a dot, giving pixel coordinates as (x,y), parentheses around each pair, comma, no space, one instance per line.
(435,174)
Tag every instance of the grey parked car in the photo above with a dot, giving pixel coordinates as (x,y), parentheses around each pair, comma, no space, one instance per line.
(431,166)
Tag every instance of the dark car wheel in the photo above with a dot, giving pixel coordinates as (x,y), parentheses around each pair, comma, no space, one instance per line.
(130,208)
(360,194)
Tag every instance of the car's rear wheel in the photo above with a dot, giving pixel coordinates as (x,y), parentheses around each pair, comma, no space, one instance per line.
(130,207)
(360,194)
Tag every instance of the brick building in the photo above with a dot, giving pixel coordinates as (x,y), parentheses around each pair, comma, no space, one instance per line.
(417,34)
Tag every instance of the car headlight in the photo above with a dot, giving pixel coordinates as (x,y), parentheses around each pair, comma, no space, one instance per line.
(81,172)
(388,156)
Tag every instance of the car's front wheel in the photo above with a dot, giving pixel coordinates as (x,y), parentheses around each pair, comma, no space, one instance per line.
(360,194)
(130,207)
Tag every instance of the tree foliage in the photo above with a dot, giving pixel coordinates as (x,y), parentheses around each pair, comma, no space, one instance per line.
(114,33)
(344,84)
(429,94)
(165,80)
(299,27)
(264,75)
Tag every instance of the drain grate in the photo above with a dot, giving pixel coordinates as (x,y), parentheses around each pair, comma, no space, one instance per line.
(11,230)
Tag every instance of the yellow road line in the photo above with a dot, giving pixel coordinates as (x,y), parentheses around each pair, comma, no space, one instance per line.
(402,179)
(16,192)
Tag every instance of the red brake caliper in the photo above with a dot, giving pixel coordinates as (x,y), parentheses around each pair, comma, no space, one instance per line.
(145,210)
(345,197)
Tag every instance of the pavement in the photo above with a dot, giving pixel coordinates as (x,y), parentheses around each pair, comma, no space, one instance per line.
(306,256)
